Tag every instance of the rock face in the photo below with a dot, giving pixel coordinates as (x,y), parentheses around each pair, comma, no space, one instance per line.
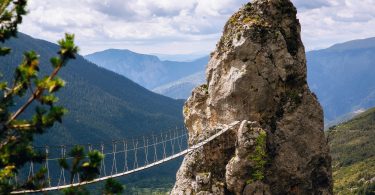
(257,73)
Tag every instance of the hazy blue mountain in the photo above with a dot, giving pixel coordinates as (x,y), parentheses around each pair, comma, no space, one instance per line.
(180,57)
(343,77)
(354,44)
(182,88)
(146,70)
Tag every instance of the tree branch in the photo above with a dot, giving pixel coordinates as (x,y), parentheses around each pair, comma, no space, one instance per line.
(35,95)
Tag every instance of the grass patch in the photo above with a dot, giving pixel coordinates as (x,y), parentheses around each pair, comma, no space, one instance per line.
(259,158)
(354,178)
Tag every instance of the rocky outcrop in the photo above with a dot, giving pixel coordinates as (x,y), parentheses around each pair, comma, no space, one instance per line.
(257,73)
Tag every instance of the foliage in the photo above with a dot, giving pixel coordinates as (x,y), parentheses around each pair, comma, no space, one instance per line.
(352,141)
(151,185)
(11,12)
(86,167)
(86,170)
(17,131)
(113,187)
(353,154)
(76,191)
(355,178)
(367,189)
(248,6)
(293,97)
(259,158)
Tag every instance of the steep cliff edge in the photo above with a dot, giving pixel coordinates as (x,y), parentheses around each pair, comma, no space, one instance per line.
(257,73)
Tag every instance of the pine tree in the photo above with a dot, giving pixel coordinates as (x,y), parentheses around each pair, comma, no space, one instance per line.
(17,129)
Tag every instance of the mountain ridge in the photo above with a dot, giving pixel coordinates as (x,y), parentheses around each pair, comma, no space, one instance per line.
(354,44)
(182,88)
(342,77)
(144,69)
(334,74)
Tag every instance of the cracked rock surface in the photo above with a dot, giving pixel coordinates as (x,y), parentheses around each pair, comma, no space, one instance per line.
(257,73)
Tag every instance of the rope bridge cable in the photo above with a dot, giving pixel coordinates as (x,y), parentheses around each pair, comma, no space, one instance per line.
(114,165)
(62,170)
(167,142)
(97,145)
(47,167)
(102,165)
(126,168)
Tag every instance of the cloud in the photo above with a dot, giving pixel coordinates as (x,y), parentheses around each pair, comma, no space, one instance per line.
(170,26)
(311,4)
(131,22)
(342,21)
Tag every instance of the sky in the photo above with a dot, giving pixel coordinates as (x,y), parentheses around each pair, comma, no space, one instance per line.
(183,26)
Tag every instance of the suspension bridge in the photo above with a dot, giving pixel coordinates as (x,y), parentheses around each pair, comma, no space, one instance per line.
(122,157)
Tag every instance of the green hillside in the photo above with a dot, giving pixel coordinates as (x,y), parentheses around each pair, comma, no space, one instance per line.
(102,105)
(353,154)
(147,70)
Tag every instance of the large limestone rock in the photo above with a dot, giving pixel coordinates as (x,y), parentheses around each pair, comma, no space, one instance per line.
(257,73)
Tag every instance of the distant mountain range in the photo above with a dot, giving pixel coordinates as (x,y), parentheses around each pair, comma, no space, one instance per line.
(181,89)
(146,70)
(180,57)
(343,77)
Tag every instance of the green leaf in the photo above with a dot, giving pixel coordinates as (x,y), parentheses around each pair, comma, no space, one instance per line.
(56,84)
(4,51)
(113,187)
(3,85)
(77,152)
(18,151)
(48,99)
(57,112)
(63,163)
(31,62)
(56,61)
(95,158)
(76,191)
(50,85)
(67,47)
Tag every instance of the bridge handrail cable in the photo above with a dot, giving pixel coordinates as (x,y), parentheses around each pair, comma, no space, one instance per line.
(190,149)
